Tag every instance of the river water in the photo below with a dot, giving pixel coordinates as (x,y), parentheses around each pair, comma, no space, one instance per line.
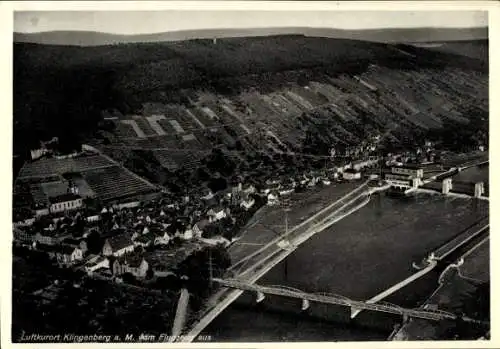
(358,257)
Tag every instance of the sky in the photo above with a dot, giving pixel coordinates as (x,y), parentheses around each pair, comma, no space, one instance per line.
(137,22)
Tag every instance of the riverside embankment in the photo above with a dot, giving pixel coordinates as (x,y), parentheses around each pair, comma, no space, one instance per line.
(359,256)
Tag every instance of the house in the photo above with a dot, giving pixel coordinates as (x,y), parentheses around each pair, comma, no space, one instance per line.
(136,265)
(415,172)
(94,218)
(145,240)
(188,233)
(314,180)
(50,250)
(162,239)
(98,263)
(24,236)
(199,226)
(272,199)
(41,212)
(248,189)
(216,213)
(248,203)
(77,243)
(350,174)
(360,164)
(65,202)
(68,254)
(287,189)
(207,194)
(118,245)
(51,237)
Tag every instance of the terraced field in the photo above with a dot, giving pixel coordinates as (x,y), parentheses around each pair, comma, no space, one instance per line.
(51,166)
(339,110)
(114,182)
(94,175)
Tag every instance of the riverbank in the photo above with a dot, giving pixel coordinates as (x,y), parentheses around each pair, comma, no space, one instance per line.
(269,221)
(464,288)
(318,222)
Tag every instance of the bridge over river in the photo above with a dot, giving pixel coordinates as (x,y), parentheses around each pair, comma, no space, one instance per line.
(433,315)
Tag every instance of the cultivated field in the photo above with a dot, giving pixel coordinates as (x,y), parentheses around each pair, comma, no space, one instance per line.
(51,166)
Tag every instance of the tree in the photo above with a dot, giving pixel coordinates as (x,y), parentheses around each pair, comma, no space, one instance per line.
(94,242)
(150,274)
(129,278)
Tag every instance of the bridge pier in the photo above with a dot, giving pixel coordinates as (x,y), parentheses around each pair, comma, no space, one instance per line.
(405,318)
(478,189)
(260,297)
(355,312)
(305,304)
(447,185)
(431,257)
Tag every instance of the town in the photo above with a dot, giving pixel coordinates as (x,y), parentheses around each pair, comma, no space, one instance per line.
(159,186)
(150,233)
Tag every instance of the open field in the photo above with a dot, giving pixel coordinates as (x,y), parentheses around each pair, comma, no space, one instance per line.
(271,221)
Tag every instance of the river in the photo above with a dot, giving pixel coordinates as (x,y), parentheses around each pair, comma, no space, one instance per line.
(358,257)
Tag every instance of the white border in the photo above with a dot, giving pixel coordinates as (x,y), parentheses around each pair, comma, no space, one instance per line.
(6,25)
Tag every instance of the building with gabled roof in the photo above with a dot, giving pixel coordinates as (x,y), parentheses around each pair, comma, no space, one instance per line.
(133,263)
(65,202)
(118,245)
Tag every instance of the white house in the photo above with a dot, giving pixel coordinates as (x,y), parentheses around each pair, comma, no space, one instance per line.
(188,233)
(163,239)
(65,202)
(199,226)
(216,213)
(136,266)
(94,218)
(287,189)
(93,265)
(414,172)
(272,199)
(351,175)
(249,189)
(41,212)
(248,203)
(69,255)
(78,243)
(207,194)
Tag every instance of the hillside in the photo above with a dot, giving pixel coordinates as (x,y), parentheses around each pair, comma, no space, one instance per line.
(471,48)
(86,38)
(174,107)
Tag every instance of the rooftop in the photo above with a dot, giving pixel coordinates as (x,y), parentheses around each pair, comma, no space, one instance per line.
(64,198)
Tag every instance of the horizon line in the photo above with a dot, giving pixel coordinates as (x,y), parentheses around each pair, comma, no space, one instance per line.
(247,28)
